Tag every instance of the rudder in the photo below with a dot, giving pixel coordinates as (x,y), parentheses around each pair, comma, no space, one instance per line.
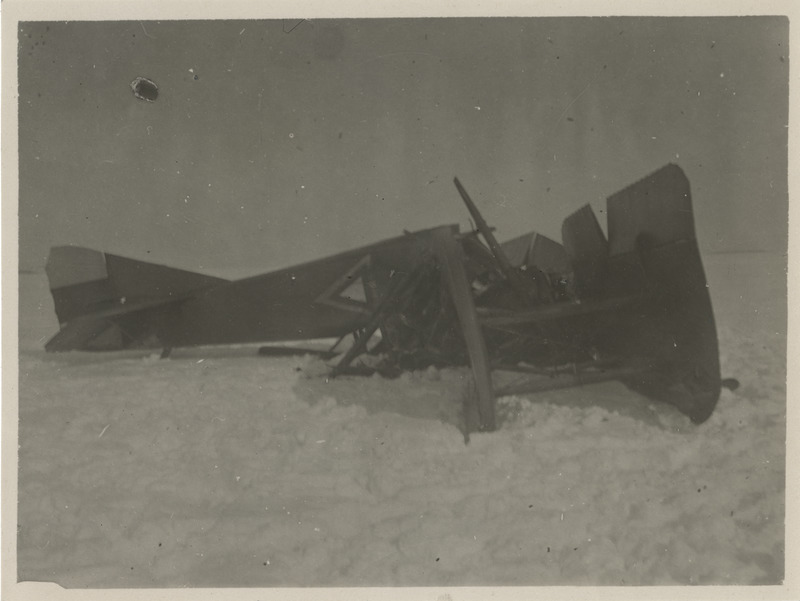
(85,281)
(78,280)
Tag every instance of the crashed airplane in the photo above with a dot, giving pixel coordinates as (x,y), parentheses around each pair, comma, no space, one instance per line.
(633,307)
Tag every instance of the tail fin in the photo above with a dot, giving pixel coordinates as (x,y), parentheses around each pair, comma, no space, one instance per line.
(84,281)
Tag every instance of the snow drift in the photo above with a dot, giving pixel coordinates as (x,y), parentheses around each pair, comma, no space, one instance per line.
(219,468)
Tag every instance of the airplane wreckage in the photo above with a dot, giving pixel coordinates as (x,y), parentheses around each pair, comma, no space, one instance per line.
(633,307)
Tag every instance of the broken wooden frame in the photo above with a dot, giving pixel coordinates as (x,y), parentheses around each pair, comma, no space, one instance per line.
(638,311)
(633,306)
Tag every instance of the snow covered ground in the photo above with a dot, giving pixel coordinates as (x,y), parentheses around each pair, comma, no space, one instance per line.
(219,468)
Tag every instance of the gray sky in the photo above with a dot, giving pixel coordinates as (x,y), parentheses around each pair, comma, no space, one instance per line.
(273,142)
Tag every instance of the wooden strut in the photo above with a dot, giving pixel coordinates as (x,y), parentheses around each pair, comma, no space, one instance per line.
(548,313)
(399,289)
(332,349)
(481,415)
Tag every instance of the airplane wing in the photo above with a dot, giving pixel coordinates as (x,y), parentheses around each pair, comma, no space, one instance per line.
(632,307)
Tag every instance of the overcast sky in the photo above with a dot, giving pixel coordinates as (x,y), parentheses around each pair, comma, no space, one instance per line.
(279,141)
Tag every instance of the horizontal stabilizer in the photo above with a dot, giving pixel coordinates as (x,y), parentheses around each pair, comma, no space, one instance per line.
(78,334)
(120,327)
